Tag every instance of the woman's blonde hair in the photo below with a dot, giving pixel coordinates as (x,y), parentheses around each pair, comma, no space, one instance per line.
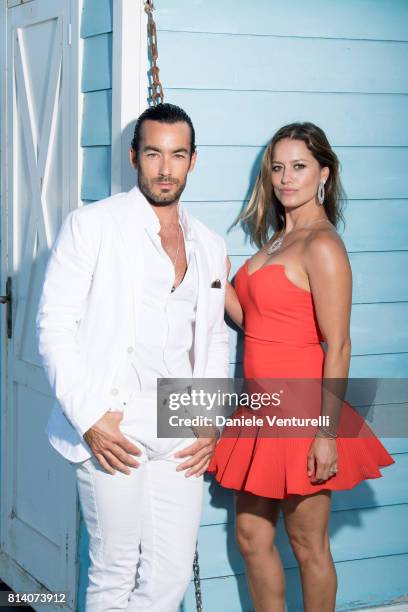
(264,215)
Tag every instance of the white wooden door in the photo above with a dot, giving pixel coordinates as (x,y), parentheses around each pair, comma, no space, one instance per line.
(39,503)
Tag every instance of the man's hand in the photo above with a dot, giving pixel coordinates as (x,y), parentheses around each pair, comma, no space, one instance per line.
(200,452)
(110,446)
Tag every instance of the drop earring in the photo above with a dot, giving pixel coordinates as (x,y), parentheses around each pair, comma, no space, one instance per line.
(321,193)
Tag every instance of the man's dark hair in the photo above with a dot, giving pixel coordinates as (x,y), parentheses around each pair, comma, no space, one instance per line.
(164,113)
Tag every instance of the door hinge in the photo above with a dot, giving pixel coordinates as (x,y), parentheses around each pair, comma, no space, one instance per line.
(8,301)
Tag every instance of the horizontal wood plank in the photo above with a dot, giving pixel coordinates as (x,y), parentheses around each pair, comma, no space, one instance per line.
(96,17)
(377,277)
(375,328)
(386,365)
(229,173)
(97,118)
(364,228)
(97,63)
(250,118)
(363,20)
(218,504)
(379,328)
(96,173)
(343,65)
(353,535)
(384,582)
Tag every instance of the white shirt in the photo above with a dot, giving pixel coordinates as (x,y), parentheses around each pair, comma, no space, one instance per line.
(166,319)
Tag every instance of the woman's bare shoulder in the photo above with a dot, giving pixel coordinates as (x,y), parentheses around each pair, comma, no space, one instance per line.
(325,247)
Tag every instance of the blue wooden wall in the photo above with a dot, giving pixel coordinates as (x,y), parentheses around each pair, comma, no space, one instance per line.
(96,30)
(242,69)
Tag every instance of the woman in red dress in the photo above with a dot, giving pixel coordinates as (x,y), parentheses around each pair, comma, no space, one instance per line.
(294,293)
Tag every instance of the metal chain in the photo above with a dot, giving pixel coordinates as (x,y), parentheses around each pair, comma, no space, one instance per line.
(156,89)
(197,582)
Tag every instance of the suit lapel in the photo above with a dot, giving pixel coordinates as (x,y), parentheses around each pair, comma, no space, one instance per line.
(130,216)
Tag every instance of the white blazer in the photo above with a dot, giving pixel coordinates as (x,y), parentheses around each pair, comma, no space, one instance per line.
(88,311)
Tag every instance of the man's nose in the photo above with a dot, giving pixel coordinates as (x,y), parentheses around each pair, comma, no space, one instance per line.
(164,167)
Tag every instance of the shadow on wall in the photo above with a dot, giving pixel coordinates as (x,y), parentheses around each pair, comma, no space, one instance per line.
(128,176)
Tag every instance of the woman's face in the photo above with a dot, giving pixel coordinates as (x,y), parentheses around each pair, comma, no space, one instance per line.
(296,174)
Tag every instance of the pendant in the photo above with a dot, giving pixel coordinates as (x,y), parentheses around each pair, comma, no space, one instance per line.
(276,244)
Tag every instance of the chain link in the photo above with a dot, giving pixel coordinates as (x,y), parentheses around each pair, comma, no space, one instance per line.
(197,582)
(156,89)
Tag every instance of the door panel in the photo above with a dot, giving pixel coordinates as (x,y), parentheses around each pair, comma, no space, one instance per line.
(40,510)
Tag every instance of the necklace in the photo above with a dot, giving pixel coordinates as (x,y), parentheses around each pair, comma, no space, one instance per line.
(276,244)
(176,257)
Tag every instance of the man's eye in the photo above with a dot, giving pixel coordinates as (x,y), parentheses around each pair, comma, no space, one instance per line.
(151,154)
(180,156)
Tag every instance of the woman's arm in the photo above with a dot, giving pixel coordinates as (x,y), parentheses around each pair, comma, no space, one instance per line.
(232,305)
(330,279)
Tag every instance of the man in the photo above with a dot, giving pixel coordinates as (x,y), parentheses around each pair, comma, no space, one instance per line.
(134,291)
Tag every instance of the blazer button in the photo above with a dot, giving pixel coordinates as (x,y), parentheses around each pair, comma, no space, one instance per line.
(130,349)
(114,391)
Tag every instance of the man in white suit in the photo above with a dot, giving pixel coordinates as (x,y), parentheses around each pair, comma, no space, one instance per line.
(134,291)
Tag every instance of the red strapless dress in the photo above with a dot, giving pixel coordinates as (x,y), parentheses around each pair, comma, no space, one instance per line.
(282,340)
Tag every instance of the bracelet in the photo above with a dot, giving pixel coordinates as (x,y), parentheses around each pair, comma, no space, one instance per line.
(328,433)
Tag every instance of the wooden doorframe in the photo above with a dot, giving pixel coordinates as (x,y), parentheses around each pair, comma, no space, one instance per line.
(129,85)
(4,250)
(4,262)
(10,571)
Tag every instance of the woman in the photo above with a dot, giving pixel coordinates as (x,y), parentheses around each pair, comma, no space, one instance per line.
(294,293)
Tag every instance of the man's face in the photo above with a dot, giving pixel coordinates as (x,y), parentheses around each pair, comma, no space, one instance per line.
(163,161)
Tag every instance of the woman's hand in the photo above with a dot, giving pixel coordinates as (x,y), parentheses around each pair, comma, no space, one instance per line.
(322,459)
(200,452)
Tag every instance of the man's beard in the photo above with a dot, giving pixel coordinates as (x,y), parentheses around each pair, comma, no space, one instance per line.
(164,199)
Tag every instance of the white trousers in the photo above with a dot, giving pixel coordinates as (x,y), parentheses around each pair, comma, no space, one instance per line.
(142,527)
